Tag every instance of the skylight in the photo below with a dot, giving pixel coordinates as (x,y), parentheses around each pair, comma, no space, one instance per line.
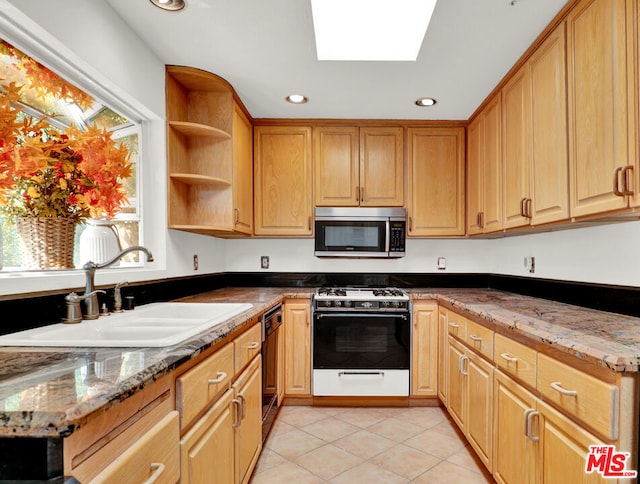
(370,30)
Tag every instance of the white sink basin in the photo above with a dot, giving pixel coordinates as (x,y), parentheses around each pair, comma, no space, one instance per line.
(157,324)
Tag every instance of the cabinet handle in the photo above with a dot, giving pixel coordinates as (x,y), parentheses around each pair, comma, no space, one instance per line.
(357,194)
(410,224)
(237,215)
(527,208)
(556,385)
(475,338)
(243,406)
(626,183)
(221,376)
(362,194)
(238,405)
(509,358)
(253,345)
(461,361)
(616,182)
(157,468)
(309,223)
(522,209)
(528,421)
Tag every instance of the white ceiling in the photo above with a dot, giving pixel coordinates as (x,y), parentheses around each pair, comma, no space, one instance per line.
(266,50)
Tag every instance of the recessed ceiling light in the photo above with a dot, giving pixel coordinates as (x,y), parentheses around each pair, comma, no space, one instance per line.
(425,101)
(296,99)
(370,30)
(171,5)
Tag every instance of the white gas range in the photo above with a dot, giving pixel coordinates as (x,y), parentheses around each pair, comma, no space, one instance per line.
(361,341)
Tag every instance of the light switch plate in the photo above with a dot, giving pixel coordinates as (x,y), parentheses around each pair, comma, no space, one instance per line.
(264,262)
(442,263)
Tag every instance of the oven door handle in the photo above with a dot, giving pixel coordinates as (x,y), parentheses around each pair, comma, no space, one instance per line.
(358,314)
(367,373)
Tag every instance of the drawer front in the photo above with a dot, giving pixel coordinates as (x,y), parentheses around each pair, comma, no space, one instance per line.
(515,359)
(480,339)
(155,457)
(247,345)
(199,386)
(590,400)
(457,325)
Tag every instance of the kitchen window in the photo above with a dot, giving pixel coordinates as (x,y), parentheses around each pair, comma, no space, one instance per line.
(46,96)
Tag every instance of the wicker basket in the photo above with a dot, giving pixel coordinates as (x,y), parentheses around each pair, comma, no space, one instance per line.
(46,243)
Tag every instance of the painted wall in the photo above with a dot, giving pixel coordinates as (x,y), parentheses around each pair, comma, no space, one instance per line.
(97,40)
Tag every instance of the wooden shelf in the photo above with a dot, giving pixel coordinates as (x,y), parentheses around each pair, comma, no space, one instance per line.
(205,229)
(198,80)
(193,179)
(197,129)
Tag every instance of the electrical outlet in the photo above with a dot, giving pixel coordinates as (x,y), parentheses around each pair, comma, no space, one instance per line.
(530,264)
(195,262)
(442,263)
(264,261)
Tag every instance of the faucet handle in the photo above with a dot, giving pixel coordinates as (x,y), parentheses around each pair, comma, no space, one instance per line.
(91,302)
(74,312)
(117,297)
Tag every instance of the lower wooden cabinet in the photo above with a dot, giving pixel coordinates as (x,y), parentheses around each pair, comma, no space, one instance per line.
(248,427)
(534,443)
(297,347)
(207,450)
(424,349)
(442,351)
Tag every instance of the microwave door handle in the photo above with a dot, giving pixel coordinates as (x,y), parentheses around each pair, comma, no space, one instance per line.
(387,238)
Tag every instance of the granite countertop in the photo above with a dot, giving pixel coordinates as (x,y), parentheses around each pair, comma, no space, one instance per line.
(50,392)
(606,339)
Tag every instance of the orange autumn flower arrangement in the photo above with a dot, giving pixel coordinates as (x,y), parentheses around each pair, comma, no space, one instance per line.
(46,173)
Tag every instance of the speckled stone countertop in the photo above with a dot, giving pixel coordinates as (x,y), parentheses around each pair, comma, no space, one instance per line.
(50,392)
(606,339)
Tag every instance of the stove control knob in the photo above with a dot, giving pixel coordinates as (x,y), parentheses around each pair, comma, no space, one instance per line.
(347,304)
(385,304)
(395,304)
(337,303)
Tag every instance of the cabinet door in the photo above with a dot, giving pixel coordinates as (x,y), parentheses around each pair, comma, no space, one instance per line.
(516,143)
(248,435)
(207,450)
(381,167)
(283,202)
(297,347)
(442,354)
(563,448)
(492,165)
(281,374)
(337,166)
(456,382)
(479,401)
(436,181)
(514,453)
(475,177)
(550,185)
(424,350)
(598,103)
(242,172)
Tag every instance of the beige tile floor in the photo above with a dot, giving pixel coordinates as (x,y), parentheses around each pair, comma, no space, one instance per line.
(368,445)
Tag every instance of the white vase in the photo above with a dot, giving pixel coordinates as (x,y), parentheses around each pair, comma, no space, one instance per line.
(99,242)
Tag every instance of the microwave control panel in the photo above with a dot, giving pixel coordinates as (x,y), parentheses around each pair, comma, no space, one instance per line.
(397,236)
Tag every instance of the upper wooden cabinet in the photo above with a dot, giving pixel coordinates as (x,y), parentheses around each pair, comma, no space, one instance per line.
(242,172)
(602,105)
(436,181)
(282,189)
(484,170)
(203,154)
(359,166)
(534,126)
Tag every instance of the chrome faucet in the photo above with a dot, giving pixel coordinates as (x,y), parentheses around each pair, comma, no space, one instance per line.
(93,311)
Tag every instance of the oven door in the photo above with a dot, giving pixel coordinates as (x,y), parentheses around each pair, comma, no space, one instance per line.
(361,341)
(350,238)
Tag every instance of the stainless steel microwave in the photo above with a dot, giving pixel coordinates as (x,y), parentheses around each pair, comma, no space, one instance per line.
(360,232)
